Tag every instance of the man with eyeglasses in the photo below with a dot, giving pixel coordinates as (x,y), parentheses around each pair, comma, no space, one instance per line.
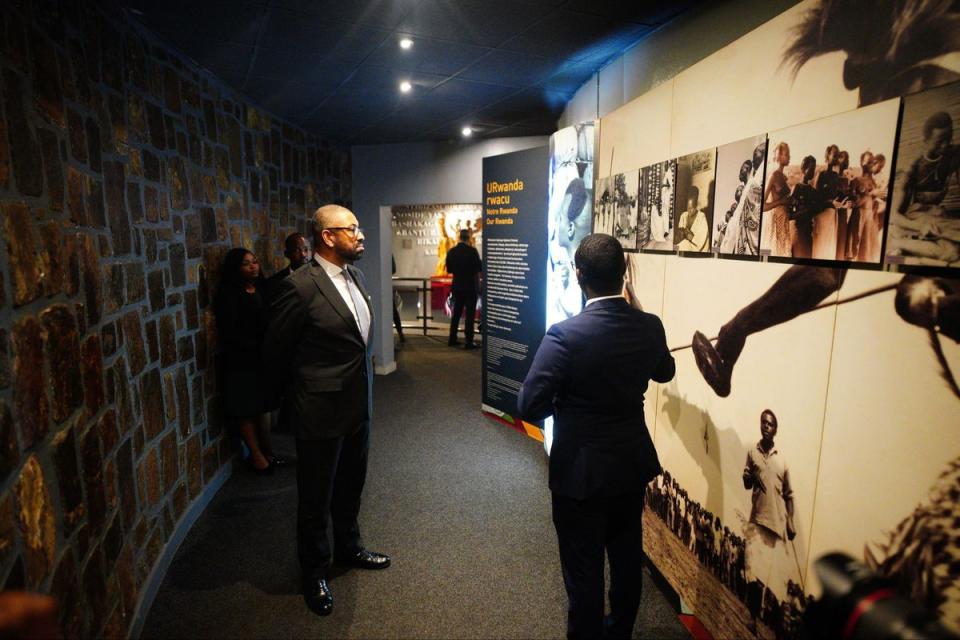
(318,345)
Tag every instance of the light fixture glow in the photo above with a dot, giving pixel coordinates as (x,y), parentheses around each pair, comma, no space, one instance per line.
(466,131)
(406,43)
(405,87)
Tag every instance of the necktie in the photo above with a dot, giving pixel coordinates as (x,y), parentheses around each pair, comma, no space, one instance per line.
(359,305)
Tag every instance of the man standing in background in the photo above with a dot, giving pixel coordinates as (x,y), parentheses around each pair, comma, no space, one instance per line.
(463,262)
(590,373)
(297,253)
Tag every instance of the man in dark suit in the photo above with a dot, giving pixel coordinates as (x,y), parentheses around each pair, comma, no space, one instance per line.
(590,373)
(318,344)
(463,261)
(297,253)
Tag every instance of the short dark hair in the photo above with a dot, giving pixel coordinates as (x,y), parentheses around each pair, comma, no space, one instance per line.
(773,416)
(464,235)
(601,262)
(939,120)
(291,242)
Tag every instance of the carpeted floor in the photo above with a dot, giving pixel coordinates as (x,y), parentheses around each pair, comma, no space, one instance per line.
(460,502)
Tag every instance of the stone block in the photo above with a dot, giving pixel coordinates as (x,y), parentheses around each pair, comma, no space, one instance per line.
(178,266)
(151,166)
(75,196)
(168,341)
(150,245)
(194,466)
(179,186)
(133,340)
(136,282)
(37,522)
(169,461)
(23,252)
(126,483)
(169,397)
(153,341)
(90,275)
(52,167)
(210,119)
(63,358)
(115,190)
(222,160)
(151,394)
(64,456)
(114,294)
(148,478)
(71,262)
(211,462)
(91,364)
(156,290)
(94,588)
(29,388)
(136,62)
(135,202)
(118,120)
(193,235)
(96,212)
(69,598)
(76,136)
(151,206)
(183,403)
(158,133)
(108,339)
(9,449)
(208,222)
(5,376)
(126,578)
(92,461)
(24,149)
(180,501)
(190,308)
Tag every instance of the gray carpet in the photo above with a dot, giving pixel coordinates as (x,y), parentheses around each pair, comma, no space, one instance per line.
(460,502)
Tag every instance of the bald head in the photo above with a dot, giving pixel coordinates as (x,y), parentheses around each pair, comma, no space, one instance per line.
(336,234)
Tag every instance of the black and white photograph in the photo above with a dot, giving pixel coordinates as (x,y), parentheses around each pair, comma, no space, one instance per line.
(827,186)
(625,209)
(603,206)
(924,221)
(693,201)
(738,196)
(570,215)
(655,228)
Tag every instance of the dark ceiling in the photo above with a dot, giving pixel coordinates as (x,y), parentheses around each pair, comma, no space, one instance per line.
(503,67)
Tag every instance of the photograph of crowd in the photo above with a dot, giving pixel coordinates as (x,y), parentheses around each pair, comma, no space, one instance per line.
(827,186)
(693,201)
(738,196)
(657,181)
(924,221)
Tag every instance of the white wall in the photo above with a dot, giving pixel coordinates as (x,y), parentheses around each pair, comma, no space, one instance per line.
(420,173)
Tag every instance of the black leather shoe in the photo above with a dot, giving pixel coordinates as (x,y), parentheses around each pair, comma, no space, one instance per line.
(364,559)
(318,597)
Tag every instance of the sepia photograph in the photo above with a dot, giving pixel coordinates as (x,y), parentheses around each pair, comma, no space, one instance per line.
(603,206)
(693,201)
(625,209)
(656,189)
(737,196)
(924,221)
(827,186)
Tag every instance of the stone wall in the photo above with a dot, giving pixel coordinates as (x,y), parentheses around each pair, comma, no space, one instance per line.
(126,173)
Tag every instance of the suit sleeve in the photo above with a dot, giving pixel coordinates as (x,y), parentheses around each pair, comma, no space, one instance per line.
(543,381)
(666,367)
(287,319)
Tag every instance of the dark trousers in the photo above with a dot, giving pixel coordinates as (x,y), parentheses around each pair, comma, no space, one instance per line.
(463,301)
(585,529)
(330,477)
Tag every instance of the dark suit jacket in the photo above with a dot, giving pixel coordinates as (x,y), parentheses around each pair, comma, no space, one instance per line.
(463,262)
(590,373)
(272,284)
(314,350)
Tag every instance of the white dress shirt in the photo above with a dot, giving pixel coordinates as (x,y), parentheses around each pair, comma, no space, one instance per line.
(343,282)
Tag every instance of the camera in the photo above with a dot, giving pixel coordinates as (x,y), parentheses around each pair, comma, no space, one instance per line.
(859,604)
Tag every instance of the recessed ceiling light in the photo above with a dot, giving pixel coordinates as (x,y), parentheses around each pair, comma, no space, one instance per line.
(406,43)
(405,87)
(466,131)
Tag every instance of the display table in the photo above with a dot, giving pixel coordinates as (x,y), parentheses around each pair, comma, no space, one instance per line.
(439,290)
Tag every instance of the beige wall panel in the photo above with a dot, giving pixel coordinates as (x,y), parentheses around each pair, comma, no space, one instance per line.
(637,134)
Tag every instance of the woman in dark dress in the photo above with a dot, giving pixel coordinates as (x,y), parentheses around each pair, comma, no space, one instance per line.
(241,320)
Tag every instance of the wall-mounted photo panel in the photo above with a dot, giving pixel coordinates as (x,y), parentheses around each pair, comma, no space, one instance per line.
(625,224)
(890,463)
(738,433)
(603,206)
(693,201)
(643,288)
(738,197)
(827,186)
(655,229)
(924,221)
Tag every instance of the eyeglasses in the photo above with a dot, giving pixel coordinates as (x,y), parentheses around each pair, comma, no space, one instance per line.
(353,229)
